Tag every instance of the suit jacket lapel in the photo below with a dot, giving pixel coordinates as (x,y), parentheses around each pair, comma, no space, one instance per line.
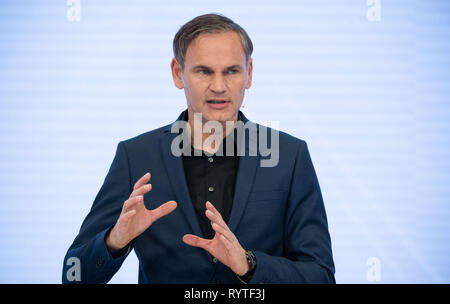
(175,171)
(248,164)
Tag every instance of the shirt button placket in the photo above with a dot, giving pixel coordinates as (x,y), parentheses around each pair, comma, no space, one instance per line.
(210,188)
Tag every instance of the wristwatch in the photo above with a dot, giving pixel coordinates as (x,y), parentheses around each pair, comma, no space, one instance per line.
(251,260)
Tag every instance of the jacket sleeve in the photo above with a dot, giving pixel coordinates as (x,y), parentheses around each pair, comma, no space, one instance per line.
(307,244)
(88,254)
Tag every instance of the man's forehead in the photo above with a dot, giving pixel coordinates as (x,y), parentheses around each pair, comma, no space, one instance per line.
(230,35)
(221,49)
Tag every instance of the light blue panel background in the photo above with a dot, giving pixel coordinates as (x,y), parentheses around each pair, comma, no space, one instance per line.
(370,98)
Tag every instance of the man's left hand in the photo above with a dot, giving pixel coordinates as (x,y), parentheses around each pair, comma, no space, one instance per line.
(224,246)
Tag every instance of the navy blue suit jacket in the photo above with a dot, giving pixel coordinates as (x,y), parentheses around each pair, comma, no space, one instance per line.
(277,212)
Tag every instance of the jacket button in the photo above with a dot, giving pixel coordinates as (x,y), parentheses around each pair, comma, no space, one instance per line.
(215,260)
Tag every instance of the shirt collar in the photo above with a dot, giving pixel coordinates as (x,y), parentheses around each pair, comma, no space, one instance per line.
(185,117)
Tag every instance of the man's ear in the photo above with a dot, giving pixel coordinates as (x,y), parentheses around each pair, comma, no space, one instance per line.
(250,73)
(176,74)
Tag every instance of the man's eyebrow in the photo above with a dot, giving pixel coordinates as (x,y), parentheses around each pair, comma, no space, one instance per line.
(236,66)
(201,66)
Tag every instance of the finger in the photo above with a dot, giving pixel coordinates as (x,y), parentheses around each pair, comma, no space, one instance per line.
(163,210)
(131,203)
(225,242)
(224,232)
(216,219)
(142,181)
(213,209)
(128,215)
(141,190)
(193,240)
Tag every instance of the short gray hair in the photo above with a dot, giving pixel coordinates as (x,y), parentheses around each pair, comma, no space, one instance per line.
(208,23)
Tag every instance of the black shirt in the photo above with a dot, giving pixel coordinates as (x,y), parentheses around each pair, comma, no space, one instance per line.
(212,178)
(209,177)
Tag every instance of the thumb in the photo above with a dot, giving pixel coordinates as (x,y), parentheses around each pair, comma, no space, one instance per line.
(163,210)
(193,240)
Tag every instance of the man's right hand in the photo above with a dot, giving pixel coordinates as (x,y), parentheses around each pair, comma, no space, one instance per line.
(135,218)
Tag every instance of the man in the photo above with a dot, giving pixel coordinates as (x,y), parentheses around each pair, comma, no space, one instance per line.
(207,217)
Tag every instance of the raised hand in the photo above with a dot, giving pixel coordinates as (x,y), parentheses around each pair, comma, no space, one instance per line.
(135,218)
(224,246)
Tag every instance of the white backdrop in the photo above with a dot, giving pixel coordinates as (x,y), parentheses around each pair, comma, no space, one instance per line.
(365,83)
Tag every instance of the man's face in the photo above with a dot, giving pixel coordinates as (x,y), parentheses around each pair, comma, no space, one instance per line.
(215,76)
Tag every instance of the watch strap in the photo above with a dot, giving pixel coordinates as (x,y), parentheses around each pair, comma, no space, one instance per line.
(251,260)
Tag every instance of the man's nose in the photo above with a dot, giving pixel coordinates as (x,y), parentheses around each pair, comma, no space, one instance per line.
(218,84)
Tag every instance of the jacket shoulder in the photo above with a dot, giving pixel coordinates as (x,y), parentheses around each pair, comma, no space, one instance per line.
(290,139)
(286,141)
(149,137)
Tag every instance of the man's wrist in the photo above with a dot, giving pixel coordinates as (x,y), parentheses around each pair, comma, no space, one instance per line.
(120,252)
(252,263)
(115,251)
(111,243)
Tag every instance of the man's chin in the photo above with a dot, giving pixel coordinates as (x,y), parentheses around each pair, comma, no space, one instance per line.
(221,116)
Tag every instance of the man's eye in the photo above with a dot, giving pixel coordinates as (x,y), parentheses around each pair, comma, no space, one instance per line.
(234,71)
(204,72)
